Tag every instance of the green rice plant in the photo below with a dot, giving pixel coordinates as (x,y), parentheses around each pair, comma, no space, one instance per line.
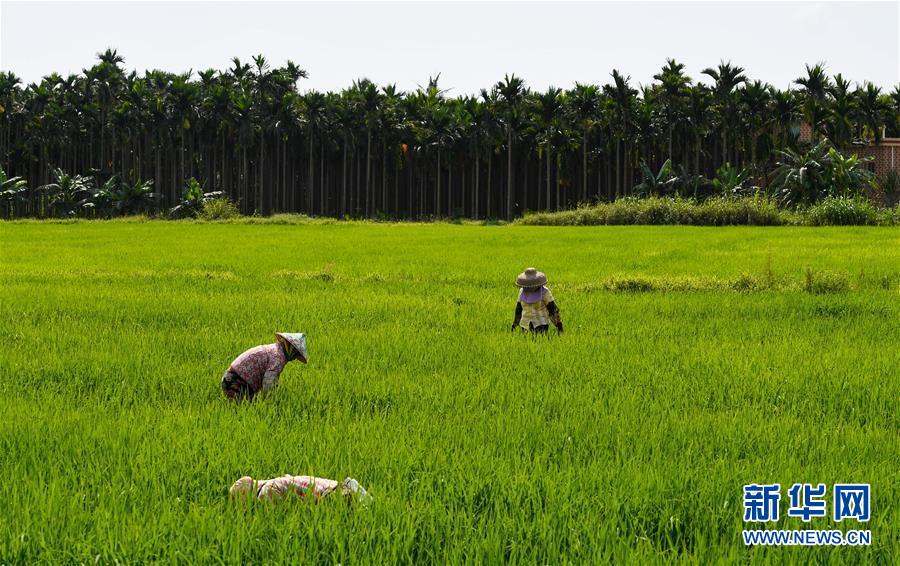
(627,439)
(630,284)
(747,282)
(819,282)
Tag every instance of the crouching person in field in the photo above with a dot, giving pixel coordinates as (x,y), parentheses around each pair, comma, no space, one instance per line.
(278,489)
(535,309)
(256,371)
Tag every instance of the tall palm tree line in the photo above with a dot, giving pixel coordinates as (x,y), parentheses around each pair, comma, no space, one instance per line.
(370,150)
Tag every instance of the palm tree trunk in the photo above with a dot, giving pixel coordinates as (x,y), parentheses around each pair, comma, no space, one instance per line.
(629,172)
(607,161)
(437,194)
(524,193)
(422,194)
(285,204)
(450,184)
(260,203)
(384,191)
(222,186)
(558,198)
(584,171)
(724,146)
(753,140)
(462,188)
(158,177)
(549,168)
(310,183)
(368,171)
(293,176)
(323,205)
(489,183)
(618,168)
(357,192)
(475,192)
(697,156)
(244,180)
(410,187)
(173,197)
(102,140)
(344,182)
(509,174)
(396,189)
(670,140)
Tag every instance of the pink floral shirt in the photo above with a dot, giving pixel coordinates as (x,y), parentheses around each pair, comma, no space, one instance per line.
(277,489)
(254,364)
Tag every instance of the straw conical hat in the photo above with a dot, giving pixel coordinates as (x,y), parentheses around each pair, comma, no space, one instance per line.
(531,277)
(242,487)
(297,340)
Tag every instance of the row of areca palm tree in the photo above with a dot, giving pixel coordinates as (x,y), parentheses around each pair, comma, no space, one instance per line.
(252,133)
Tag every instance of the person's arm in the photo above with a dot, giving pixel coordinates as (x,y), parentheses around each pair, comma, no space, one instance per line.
(269,381)
(553,310)
(274,367)
(518,316)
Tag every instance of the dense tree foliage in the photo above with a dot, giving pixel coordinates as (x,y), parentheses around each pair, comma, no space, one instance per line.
(251,133)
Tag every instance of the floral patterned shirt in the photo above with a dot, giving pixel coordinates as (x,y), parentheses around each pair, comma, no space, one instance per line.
(254,364)
(277,489)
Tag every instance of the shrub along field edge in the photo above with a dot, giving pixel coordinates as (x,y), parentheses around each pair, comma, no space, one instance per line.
(650,211)
(746,211)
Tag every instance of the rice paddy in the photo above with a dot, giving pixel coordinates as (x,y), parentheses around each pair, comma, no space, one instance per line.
(695,360)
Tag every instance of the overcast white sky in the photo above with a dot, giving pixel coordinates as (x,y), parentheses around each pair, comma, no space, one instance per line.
(471,44)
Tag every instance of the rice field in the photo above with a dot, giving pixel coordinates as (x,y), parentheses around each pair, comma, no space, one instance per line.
(695,360)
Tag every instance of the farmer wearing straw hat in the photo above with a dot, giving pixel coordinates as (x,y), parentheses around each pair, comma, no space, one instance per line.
(257,370)
(535,309)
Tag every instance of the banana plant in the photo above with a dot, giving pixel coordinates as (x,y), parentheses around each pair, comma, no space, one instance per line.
(802,178)
(694,185)
(12,192)
(192,200)
(848,176)
(117,197)
(67,194)
(663,182)
(730,181)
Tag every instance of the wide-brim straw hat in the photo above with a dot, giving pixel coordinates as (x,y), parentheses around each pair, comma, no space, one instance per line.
(531,277)
(242,488)
(297,340)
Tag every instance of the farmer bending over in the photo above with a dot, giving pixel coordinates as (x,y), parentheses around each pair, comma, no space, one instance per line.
(257,369)
(277,489)
(535,309)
